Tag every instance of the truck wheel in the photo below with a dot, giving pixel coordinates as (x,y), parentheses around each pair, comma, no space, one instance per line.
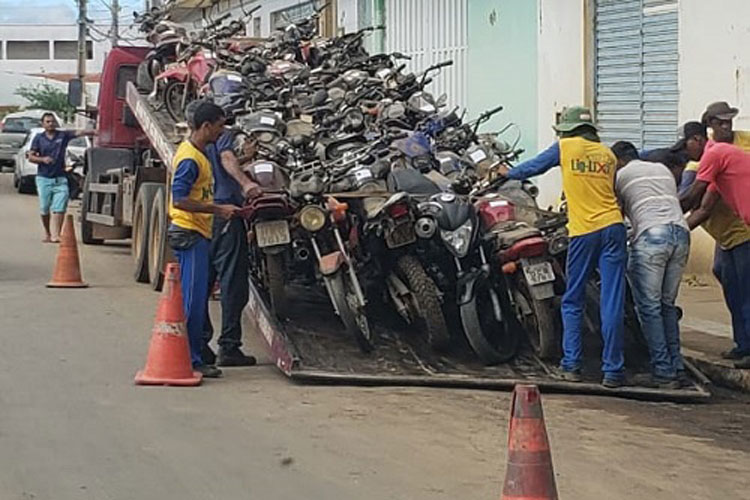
(141,222)
(87,227)
(157,239)
(430,319)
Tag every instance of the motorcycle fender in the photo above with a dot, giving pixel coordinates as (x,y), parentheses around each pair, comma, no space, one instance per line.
(274,250)
(466,285)
(331,263)
(543,291)
(179,73)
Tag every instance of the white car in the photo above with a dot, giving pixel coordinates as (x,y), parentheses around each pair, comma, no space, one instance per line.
(14,128)
(24,176)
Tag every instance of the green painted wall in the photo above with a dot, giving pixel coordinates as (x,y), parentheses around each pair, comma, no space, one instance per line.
(502,65)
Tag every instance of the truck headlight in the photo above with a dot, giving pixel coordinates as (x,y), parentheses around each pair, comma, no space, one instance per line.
(458,241)
(312,218)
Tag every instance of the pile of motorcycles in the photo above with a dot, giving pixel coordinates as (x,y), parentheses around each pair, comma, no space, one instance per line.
(373,190)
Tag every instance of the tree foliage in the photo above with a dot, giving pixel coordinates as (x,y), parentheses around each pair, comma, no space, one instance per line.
(46,96)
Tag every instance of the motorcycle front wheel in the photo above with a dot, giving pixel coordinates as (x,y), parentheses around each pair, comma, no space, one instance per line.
(347,306)
(492,336)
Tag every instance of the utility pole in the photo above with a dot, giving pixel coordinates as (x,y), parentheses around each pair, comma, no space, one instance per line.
(115,33)
(82,29)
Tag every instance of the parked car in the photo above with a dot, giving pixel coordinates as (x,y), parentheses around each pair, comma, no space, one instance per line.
(14,129)
(24,173)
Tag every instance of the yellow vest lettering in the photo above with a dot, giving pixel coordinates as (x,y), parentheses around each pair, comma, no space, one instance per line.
(588,175)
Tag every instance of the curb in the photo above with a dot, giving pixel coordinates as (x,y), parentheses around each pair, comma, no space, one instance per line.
(722,374)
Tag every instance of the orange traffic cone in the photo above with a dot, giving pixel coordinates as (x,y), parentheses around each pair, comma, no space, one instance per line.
(529,475)
(67,273)
(168,361)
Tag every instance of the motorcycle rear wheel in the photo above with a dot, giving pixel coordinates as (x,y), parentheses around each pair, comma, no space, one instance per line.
(494,341)
(542,323)
(430,319)
(174,96)
(351,314)
(274,276)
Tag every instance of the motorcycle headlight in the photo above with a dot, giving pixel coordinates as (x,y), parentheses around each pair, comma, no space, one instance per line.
(312,218)
(458,241)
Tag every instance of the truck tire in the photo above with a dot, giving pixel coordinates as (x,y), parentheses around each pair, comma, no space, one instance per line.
(157,239)
(141,222)
(87,227)
(431,320)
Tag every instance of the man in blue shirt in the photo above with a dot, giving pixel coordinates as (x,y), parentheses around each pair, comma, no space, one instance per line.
(229,253)
(48,152)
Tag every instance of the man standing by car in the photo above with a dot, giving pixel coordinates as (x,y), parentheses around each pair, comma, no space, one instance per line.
(229,253)
(597,238)
(659,251)
(48,152)
(191,212)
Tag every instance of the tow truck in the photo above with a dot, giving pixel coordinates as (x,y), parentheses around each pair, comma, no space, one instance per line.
(125,196)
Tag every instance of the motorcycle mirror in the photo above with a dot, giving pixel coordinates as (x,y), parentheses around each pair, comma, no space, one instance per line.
(442,100)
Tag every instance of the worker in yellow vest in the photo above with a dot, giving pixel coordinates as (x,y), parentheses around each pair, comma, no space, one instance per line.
(191,212)
(597,238)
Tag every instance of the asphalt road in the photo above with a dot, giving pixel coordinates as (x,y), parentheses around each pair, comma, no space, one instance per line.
(73,425)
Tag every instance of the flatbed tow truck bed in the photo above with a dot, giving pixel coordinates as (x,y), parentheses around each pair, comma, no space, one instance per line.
(312,346)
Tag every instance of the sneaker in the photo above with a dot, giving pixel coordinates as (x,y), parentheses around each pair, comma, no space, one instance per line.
(612,383)
(234,357)
(209,371)
(734,354)
(743,364)
(655,382)
(208,355)
(568,375)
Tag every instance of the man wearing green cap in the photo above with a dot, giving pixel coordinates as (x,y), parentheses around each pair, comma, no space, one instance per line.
(597,237)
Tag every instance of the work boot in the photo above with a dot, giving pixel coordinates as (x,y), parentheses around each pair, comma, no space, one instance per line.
(209,371)
(208,355)
(234,357)
(655,382)
(743,363)
(734,354)
(567,375)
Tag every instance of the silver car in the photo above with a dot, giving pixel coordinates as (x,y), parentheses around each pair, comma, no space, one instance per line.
(14,129)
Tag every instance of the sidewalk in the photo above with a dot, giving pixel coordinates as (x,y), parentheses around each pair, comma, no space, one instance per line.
(706,332)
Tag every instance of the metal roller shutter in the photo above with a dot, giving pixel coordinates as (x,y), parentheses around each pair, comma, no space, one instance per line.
(636,71)
(431,31)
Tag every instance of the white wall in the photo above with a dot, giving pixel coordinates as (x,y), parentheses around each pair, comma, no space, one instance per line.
(347,15)
(714,57)
(19,32)
(561,76)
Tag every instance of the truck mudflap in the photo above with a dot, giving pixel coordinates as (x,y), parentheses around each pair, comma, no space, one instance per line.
(311,346)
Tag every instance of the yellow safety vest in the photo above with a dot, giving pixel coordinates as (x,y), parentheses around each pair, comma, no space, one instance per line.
(588,178)
(202,191)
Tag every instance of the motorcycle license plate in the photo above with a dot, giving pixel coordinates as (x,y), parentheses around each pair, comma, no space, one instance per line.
(272,233)
(537,274)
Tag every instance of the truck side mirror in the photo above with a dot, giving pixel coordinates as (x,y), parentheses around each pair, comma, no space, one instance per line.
(75,92)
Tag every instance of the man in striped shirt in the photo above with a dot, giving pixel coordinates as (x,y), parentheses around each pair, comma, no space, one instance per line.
(659,249)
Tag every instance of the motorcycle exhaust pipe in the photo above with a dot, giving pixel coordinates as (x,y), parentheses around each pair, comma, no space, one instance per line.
(425,227)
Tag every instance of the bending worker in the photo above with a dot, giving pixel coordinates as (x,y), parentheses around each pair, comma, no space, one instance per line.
(597,238)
